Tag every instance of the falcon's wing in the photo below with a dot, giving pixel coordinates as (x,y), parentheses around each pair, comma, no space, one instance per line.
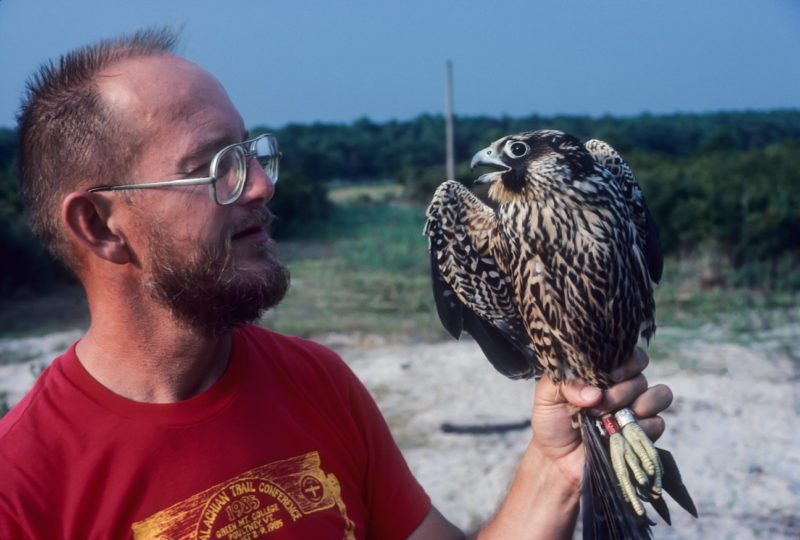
(609,159)
(471,289)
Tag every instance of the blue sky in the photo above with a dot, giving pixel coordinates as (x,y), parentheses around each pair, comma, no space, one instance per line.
(336,61)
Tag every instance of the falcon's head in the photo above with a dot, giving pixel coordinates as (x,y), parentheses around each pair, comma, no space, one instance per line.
(528,165)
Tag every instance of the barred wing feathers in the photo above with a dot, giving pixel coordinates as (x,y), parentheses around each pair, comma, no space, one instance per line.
(609,159)
(471,287)
(648,242)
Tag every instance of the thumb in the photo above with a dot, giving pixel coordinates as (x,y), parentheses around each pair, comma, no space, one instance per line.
(581,394)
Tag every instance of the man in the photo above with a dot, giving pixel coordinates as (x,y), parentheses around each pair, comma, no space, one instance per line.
(174,418)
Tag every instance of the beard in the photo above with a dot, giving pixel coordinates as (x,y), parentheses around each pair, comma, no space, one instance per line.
(206,291)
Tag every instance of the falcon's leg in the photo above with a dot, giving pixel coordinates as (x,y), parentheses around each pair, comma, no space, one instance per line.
(622,458)
(643,447)
(630,448)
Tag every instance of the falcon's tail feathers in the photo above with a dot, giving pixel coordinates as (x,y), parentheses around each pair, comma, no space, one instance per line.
(673,484)
(606,515)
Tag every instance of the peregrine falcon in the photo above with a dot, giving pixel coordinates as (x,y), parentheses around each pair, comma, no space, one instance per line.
(557,278)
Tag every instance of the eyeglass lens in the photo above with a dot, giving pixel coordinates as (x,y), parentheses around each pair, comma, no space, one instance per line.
(266,150)
(231,173)
(231,170)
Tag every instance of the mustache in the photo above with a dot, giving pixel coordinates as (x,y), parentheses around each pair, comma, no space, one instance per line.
(258,219)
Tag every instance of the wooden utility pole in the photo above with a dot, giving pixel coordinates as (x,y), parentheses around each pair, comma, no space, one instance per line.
(450,164)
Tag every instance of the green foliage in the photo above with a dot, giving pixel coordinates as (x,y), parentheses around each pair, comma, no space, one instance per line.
(366,150)
(298,204)
(746,203)
(419,183)
(4,406)
(723,180)
(362,150)
(8,147)
(25,266)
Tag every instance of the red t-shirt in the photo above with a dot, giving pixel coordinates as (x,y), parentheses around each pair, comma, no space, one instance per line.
(287,444)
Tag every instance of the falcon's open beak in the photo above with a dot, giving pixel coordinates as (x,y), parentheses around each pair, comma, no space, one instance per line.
(488,157)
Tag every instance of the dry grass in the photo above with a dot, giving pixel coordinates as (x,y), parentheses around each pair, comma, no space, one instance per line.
(344,194)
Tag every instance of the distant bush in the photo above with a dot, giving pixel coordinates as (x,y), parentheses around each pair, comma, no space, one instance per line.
(299,205)
(366,150)
(747,203)
(25,266)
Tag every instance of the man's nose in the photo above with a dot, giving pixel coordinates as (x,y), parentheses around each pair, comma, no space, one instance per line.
(259,187)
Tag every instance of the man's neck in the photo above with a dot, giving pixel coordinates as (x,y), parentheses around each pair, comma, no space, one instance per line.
(152,358)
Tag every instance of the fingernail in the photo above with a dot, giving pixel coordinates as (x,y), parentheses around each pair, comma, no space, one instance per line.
(617,374)
(590,393)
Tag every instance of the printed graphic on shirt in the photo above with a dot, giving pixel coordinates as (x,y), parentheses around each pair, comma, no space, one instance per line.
(252,505)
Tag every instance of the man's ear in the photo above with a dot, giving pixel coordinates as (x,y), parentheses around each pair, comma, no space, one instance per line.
(88,218)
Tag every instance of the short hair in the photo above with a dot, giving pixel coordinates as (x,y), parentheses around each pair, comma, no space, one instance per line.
(69,137)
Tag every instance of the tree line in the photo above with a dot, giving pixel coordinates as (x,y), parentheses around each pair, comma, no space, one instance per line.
(368,150)
(729,180)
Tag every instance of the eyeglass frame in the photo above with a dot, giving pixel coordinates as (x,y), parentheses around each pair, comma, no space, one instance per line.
(212,180)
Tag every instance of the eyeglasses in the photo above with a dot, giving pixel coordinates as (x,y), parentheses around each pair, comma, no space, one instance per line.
(228,171)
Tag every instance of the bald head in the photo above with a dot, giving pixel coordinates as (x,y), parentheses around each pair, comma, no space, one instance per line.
(162,95)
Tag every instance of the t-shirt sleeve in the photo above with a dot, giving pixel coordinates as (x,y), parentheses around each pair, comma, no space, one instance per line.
(397,502)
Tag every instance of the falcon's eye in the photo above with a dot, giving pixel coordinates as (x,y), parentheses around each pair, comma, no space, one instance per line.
(517,149)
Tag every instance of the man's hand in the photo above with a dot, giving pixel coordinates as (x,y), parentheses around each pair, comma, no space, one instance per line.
(553,433)
(543,500)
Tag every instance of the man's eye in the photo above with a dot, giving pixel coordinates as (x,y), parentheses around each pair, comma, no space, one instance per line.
(227,164)
(192,172)
(224,168)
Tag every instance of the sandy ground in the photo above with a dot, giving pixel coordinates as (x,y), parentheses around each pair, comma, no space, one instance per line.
(733,427)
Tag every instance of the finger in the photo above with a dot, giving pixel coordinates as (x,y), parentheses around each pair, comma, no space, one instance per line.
(652,402)
(653,426)
(547,392)
(634,365)
(581,394)
(620,395)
